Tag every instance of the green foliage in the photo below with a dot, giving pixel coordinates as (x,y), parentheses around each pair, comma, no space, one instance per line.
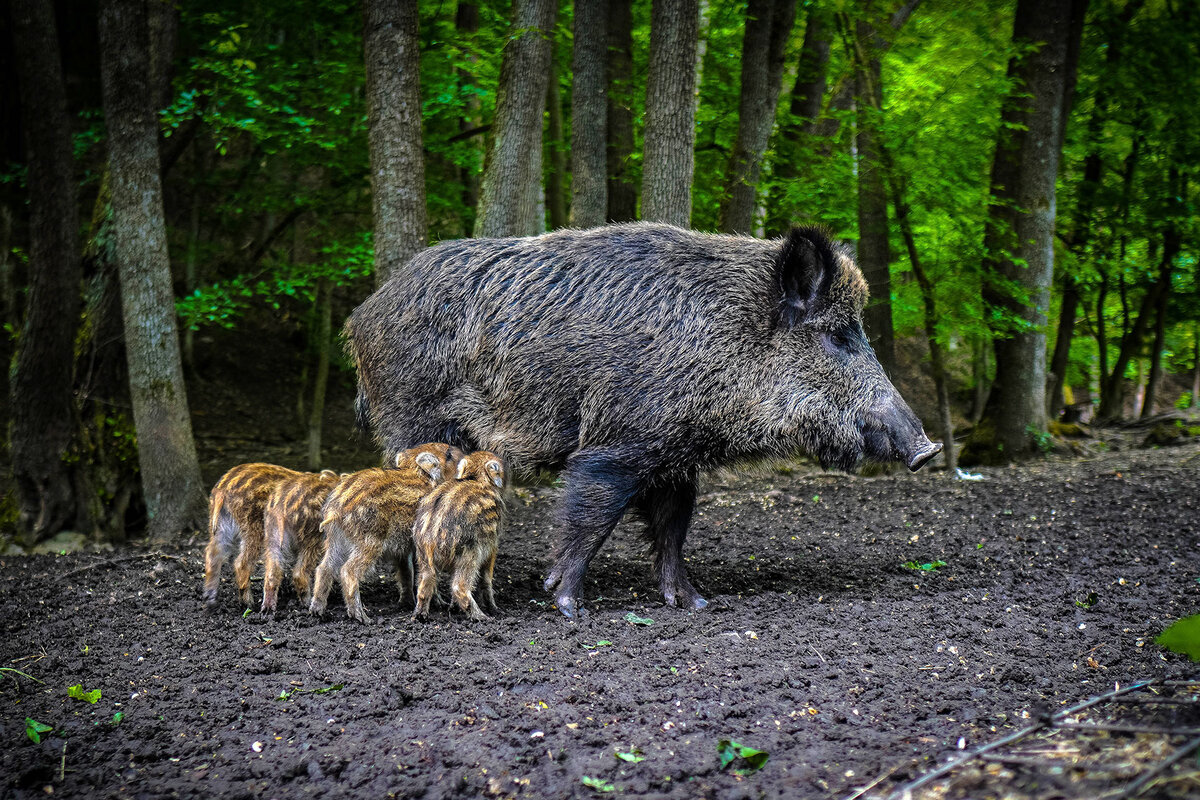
(747,759)
(634,619)
(633,756)
(1089,601)
(77,692)
(1183,637)
(599,784)
(288,694)
(35,729)
(1043,440)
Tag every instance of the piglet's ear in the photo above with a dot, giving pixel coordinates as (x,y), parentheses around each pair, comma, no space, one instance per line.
(462,470)
(804,268)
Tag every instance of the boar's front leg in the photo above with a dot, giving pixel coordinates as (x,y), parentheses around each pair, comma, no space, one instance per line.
(600,485)
(668,513)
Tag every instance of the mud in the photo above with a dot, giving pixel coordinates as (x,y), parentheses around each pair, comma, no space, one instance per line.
(819,647)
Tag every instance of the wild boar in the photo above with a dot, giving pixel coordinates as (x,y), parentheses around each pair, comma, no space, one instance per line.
(631,358)
(236,508)
(292,523)
(457,528)
(370,516)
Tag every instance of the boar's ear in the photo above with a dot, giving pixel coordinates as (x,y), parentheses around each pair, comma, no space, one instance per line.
(462,469)
(804,267)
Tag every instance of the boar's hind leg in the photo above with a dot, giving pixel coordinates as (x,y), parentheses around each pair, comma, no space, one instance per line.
(220,545)
(599,489)
(668,513)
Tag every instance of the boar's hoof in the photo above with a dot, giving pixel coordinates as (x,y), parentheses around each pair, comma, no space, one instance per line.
(553,579)
(685,600)
(569,606)
(361,617)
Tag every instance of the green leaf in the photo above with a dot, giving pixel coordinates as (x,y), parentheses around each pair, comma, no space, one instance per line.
(78,693)
(634,619)
(599,784)
(286,695)
(601,643)
(633,756)
(118,717)
(729,751)
(35,729)
(1183,637)
(928,566)
(1088,601)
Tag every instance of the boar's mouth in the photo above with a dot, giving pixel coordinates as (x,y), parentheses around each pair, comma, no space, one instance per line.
(923,456)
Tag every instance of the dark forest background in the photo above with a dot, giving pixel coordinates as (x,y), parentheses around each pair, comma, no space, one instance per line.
(1017,179)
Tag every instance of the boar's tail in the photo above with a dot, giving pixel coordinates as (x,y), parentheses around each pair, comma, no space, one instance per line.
(362,410)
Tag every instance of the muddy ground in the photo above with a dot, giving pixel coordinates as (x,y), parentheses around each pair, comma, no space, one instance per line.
(819,647)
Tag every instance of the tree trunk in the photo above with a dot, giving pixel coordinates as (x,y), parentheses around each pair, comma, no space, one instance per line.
(466,24)
(323,335)
(556,175)
(1160,332)
(668,157)
(979,373)
(589,115)
(41,389)
(1195,367)
(1062,345)
(804,107)
(873,253)
(166,451)
(622,191)
(394,132)
(937,359)
(1018,242)
(511,180)
(768,25)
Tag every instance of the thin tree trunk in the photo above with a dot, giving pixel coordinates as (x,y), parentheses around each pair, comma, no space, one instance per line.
(668,156)
(1160,333)
(466,24)
(622,191)
(1062,345)
(41,389)
(940,378)
(392,64)
(768,25)
(324,335)
(979,373)
(804,107)
(1196,367)
(556,175)
(1019,234)
(510,187)
(589,115)
(873,255)
(166,450)
(189,278)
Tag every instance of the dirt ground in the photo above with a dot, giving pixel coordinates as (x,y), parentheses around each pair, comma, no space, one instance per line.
(819,647)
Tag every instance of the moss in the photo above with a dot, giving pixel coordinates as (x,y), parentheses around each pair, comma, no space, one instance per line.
(1068,430)
(982,447)
(1163,433)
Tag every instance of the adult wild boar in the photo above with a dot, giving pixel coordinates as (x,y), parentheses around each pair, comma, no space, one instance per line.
(631,358)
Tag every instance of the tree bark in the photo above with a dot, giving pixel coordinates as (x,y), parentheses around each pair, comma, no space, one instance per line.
(392,64)
(804,107)
(768,25)
(556,175)
(41,389)
(622,192)
(873,255)
(1156,350)
(589,115)
(1018,242)
(511,180)
(466,24)
(323,335)
(166,451)
(1195,367)
(668,157)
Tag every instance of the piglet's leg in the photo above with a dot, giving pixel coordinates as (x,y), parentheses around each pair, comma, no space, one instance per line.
(668,512)
(600,486)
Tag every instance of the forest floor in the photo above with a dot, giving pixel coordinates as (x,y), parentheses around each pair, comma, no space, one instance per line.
(819,647)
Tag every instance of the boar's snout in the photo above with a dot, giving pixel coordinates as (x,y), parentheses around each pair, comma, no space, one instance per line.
(893,433)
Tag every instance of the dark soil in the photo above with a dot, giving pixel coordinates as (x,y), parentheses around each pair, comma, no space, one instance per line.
(819,647)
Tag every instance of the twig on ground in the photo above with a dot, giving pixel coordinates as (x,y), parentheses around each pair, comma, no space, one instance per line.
(112,562)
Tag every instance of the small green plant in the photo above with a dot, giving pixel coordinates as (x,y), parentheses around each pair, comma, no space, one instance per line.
(35,729)
(118,717)
(245,613)
(748,759)
(1089,601)
(78,693)
(634,619)
(599,784)
(288,695)
(633,756)
(1183,637)
(1042,440)
(927,566)
(601,643)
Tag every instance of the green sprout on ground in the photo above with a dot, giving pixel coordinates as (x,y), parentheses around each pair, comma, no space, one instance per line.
(748,759)
(288,695)
(1089,601)
(1183,637)
(78,693)
(14,672)
(633,756)
(245,613)
(634,619)
(923,566)
(601,643)
(118,717)
(599,784)
(35,729)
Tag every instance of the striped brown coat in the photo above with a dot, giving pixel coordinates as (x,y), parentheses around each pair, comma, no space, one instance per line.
(293,533)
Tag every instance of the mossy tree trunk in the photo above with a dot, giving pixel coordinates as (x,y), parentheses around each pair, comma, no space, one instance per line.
(166,450)
(622,190)
(589,115)
(668,153)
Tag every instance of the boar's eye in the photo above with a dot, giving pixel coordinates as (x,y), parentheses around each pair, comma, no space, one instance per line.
(842,342)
